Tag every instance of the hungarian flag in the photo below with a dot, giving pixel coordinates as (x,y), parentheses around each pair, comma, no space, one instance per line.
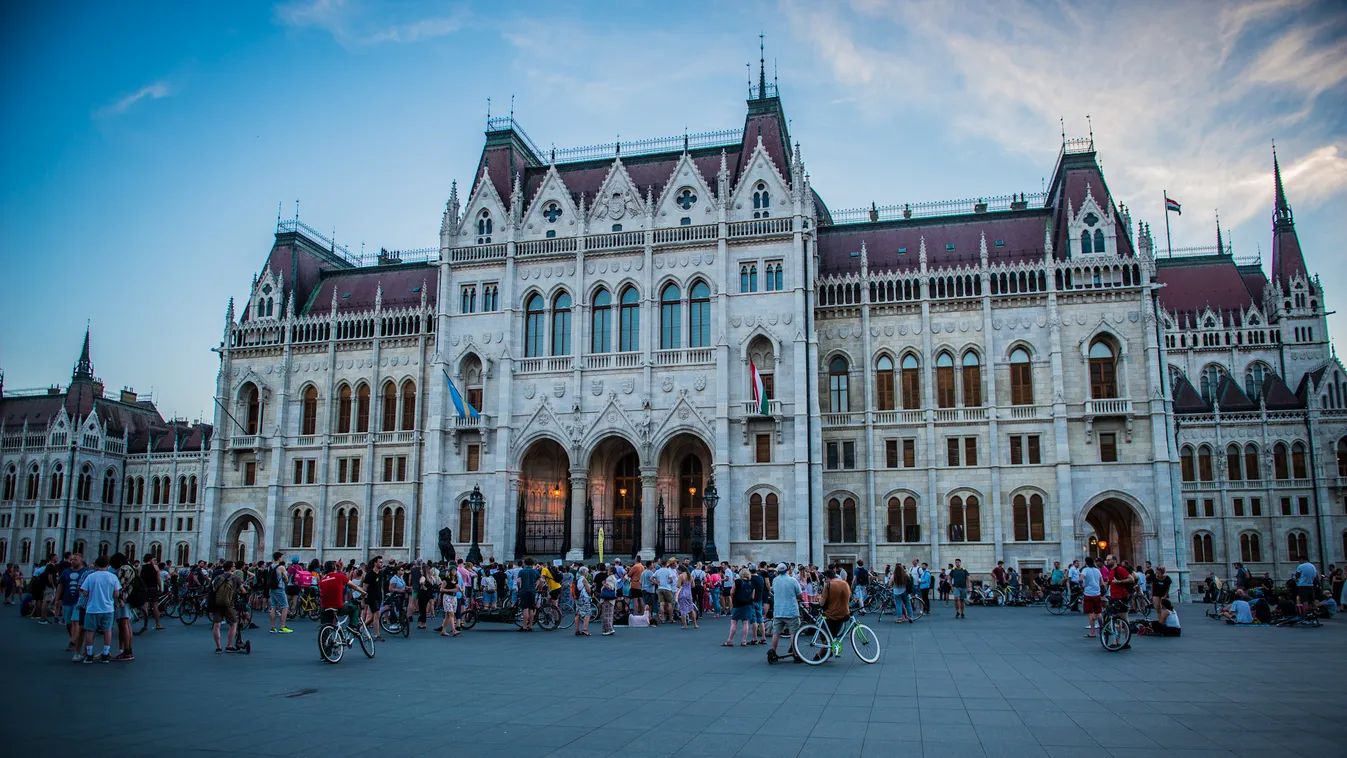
(759,392)
(1172,205)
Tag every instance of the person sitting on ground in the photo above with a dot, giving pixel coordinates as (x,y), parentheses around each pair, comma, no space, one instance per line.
(1167,623)
(1262,611)
(1238,612)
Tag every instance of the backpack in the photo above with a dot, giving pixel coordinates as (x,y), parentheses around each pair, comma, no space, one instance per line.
(273,581)
(743,591)
(137,596)
(862,577)
(222,591)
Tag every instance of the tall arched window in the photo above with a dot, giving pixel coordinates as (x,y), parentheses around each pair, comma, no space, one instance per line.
(944,380)
(972,380)
(670,317)
(25,552)
(1202,548)
(902,522)
(911,378)
(1342,457)
(699,315)
(484,227)
(842,520)
(1021,378)
(1233,463)
(85,492)
(252,403)
(1103,371)
(390,407)
(1253,469)
(301,528)
(11,482)
(183,554)
(308,416)
(884,383)
(1085,246)
(601,322)
(534,313)
(1298,468)
(182,489)
(1281,465)
(470,526)
(839,396)
(764,517)
(344,409)
(561,325)
(1254,376)
(348,527)
(1204,472)
(4,551)
(762,201)
(1250,547)
(140,490)
(109,487)
(154,487)
(362,408)
(1098,240)
(191,489)
(1297,546)
(57,486)
(629,331)
(1028,517)
(391,526)
(408,405)
(1211,380)
(31,486)
(965,519)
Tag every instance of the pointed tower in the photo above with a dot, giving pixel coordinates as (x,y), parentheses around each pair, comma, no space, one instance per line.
(1220,243)
(1287,260)
(84,368)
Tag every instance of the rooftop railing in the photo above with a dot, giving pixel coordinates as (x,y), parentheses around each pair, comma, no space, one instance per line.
(939,208)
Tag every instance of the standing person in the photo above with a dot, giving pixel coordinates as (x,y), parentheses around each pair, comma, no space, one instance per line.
(152,581)
(72,603)
(860,583)
(759,597)
(449,589)
(1120,582)
(944,586)
(687,604)
(121,614)
(650,593)
(607,599)
(225,587)
(741,597)
(699,588)
(526,582)
(277,581)
(726,587)
(44,587)
(999,574)
(1305,575)
(902,593)
(584,601)
(426,587)
(786,610)
(373,582)
(636,592)
(924,588)
(100,590)
(1160,587)
(1091,581)
(667,579)
(958,579)
(1073,576)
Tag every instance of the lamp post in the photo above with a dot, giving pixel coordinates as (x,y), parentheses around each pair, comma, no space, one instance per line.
(710,498)
(476,504)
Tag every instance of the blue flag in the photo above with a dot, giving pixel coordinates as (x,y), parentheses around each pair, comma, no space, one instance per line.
(464,410)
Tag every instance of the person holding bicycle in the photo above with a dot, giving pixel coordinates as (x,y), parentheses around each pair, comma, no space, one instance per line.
(332,594)
(836,601)
(787,593)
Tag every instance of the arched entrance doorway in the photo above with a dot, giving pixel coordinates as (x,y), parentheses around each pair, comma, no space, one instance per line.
(1115,529)
(684,467)
(244,540)
(543,511)
(614,502)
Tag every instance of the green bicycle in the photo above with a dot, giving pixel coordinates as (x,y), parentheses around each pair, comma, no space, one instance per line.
(816,645)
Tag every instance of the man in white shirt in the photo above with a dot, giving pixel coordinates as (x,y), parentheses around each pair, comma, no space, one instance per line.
(1092,585)
(667,579)
(1306,573)
(1239,611)
(100,588)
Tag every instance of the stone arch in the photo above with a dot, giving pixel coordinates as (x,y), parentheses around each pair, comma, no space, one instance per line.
(1103,330)
(759,331)
(1019,344)
(668,434)
(1123,517)
(599,436)
(233,529)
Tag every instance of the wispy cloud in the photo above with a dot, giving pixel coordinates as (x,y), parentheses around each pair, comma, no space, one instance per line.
(153,91)
(355,24)
(1182,97)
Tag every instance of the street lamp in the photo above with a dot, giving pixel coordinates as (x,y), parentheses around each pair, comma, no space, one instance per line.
(710,498)
(476,504)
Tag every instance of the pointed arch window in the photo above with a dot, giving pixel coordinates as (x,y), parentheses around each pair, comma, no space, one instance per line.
(1028,517)
(484,227)
(12,482)
(1297,546)
(534,314)
(362,408)
(1342,457)
(1254,377)
(301,528)
(842,520)
(764,517)
(839,395)
(191,489)
(471,525)
(390,407)
(183,554)
(1298,468)
(1250,547)
(972,380)
(670,317)
(408,405)
(944,380)
(308,416)
(344,409)
(1021,378)
(348,527)
(1281,468)
(965,519)
(1211,380)
(252,409)
(391,526)
(561,325)
(748,277)
(1204,472)
(1085,247)
(1253,469)
(57,485)
(629,332)
(1234,463)
(601,322)
(182,489)
(762,201)
(884,384)
(109,487)
(1103,371)
(911,378)
(1098,240)
(699,315)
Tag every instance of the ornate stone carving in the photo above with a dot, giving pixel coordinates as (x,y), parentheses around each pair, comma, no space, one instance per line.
(699,383)
(668,384)
(596,387)
(530,390)
(559,389)
(628,385)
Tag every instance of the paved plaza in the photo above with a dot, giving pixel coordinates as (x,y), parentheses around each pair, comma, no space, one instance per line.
(1003,682)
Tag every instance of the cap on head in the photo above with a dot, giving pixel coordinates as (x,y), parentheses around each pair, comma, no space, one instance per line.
(780,567)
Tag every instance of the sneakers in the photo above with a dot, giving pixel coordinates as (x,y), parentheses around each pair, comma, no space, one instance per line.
(273,630)
(607,634)
(231,649)
(125,655)
(78,658)
(88,659)
(105,658)
(285,630)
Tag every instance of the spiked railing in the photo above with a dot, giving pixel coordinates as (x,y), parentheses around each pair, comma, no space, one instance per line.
(939,208)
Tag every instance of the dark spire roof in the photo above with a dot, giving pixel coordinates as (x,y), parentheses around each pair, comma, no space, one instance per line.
(84,368)
(1281,214)
(1287,259)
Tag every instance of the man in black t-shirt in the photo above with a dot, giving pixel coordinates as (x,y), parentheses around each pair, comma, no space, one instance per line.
(149,576)
(860,583)
(374,583)
(527,582)
(1160,587)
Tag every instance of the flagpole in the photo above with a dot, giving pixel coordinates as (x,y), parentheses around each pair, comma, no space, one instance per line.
(1168,242)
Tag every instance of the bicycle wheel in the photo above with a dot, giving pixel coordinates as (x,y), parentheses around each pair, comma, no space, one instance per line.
(549,618)
(366,641)
(330,646)
(865,643)
(1114,634)
(812,643)
(567,617)
(140,621)
(1056,604)
(918,607)
(388,621)
(998,597)
(406,623)
(190,611)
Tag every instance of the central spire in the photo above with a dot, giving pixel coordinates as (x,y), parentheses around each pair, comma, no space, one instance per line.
(1281,214)
(84,368)
(762,65)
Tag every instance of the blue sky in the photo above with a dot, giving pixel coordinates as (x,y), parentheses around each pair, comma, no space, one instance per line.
(146,147)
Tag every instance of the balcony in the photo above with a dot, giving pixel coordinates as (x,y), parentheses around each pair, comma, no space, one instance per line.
(306,440)
(552,364)
(477,253)
(354,438)
(894,418)
(843,419)
(773,409)
(245,442)
(685,357)
(468,423)
(405,435)
(761,227)
(1026,412)
(1201,485)
(612,360)
(960,415)
(1292,483)
(1108,406)
(683,234)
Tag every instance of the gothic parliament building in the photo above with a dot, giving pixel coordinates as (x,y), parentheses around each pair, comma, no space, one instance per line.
(1023,378)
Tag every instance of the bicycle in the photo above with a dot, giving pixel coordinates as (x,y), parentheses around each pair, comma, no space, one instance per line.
(335,636)
(1139,604)
(1115,633)
(1058,600)
(814,637)
(1309,617)
(393,616)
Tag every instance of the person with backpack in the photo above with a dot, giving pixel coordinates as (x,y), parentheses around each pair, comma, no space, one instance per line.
(277,578)
(860,583)
(150,587)
(72,602)
(741,598)
(224,589)
(581,594)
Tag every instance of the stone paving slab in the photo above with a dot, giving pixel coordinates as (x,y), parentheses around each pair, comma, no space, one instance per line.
(1013,682)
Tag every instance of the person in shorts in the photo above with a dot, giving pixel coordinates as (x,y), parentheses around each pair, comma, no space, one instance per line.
(958,579)
(72,603)
(786,594)
(526,583)
(1306,574)
(100,590)
(225,613)
(374,595)
(277,581)
(1092,587)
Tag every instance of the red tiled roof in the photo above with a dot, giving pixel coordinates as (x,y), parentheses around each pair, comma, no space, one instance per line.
(1021,231)
(646,172)
(356,288)
(1192,284)
(1287,259)
(1255,281)
(1279,397)
(1186,399)
(1231,397)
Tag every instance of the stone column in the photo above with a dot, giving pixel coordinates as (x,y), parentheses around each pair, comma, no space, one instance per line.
(649,513)
(579,488)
